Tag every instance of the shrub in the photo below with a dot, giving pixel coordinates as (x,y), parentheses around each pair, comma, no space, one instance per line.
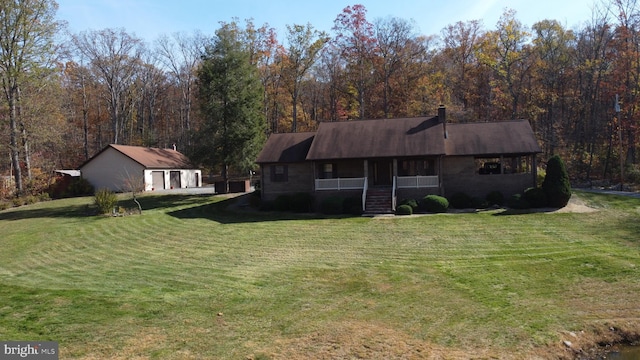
(31,199)
(404,210)
(352,206)
(632,173)
(517,201)
(536,197)
(282,203)
(435,204)
(80,187)
(301,203)
(495,198)
(556,183)
(479,203)
(540,175)
(267,206)
(332,205)
(411,202)
(255,199)
(18,201)
(460,201)
(4,205)
(106,200)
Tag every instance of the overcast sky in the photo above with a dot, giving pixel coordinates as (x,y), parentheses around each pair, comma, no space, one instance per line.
(150,18)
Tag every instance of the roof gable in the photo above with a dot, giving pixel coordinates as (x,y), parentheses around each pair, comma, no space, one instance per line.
(286,148)
(150,158)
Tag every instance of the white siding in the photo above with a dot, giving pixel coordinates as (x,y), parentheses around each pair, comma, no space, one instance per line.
(111,170)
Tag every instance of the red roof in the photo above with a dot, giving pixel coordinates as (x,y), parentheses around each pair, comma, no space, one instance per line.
(152,158)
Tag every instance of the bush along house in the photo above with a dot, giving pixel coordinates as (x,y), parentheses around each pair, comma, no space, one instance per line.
(381,161)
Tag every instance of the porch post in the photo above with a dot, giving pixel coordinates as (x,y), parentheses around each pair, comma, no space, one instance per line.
(441,174)
(315,175)
(366,168)
(395,167)
(534,170)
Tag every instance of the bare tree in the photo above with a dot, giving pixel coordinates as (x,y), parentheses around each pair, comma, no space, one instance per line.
(180,55)
(115,56)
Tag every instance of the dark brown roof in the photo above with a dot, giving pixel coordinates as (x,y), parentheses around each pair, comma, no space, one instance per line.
(152,158)
(378,138)
(286,148)
(400,138)
(491,138)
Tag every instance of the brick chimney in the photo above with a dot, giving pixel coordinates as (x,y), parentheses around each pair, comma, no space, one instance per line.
(442,118)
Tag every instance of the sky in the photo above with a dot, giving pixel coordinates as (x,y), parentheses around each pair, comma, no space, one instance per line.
(148,19)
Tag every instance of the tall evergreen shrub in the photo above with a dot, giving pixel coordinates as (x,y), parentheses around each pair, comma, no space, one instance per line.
(556,183)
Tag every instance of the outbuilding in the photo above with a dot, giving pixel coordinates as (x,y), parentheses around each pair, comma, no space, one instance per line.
(123,167)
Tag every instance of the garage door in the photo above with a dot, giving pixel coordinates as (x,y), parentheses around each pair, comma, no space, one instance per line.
(157,178)
(174,179)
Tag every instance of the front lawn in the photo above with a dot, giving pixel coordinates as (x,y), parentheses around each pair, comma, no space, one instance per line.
(190,279)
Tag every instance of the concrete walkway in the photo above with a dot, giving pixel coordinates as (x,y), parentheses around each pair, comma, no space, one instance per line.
(205,190)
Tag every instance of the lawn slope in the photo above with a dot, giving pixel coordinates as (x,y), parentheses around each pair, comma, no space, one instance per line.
(192,279)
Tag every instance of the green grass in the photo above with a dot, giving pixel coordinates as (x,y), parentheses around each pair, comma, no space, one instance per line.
(190,279)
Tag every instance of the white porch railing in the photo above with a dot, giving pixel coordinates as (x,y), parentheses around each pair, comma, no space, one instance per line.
(405,182)
(340,184)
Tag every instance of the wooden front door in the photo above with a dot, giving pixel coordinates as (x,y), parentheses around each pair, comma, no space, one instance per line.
(381,171)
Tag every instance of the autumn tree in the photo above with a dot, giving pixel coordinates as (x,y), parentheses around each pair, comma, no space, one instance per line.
(355,37)
(592,111)
(305,43)
(553,50)
(230,98)
(461,41)
(506,52)
(398,48)
(27,32)
(626,74)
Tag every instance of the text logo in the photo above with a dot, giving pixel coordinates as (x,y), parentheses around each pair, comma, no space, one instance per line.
(32,350)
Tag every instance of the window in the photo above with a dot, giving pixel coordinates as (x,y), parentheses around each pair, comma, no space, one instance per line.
(279,173)
(421,167)
(328,171)
(504,165)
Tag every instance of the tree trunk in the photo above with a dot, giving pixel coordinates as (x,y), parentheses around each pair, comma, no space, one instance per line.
(27,156)
(13,139)
(85,120)
(24,137)
(294,100)
(225,177)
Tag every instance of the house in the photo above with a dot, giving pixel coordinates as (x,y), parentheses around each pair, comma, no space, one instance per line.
(384,160)
(121,167)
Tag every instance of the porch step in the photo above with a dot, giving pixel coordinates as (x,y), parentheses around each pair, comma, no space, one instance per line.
(378,201)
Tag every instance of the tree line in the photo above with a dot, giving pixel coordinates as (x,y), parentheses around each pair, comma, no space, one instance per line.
(68,95)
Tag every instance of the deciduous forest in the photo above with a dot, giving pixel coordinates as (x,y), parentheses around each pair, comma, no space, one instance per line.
(68,95)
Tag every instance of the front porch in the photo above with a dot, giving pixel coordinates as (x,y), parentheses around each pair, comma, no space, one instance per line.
(380,180)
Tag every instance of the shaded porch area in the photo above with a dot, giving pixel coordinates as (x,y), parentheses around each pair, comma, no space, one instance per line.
(378,180)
